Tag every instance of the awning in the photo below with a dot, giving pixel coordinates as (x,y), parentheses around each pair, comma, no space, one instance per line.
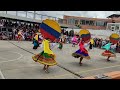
(68,26)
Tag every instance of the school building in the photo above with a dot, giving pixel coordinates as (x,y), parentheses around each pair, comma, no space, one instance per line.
(111,22)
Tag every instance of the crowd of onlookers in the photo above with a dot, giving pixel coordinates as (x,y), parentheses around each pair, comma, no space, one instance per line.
(10,28)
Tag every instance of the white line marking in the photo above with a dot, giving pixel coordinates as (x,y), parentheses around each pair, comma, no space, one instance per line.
(2,75)
(13,59)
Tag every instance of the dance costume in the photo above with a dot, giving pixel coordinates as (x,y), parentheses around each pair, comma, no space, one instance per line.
(91,43)
(82,52)
(108,52)
(19,34)
(46,57)
(60,44)
(35,42)
(74,40)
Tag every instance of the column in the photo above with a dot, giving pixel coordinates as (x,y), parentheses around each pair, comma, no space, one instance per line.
(34,14)
(115,27)
(41,17)
(26,14)
(16,13)
(107,26)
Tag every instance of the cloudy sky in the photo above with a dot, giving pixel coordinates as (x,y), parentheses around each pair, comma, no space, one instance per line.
(96,14)
(59,14)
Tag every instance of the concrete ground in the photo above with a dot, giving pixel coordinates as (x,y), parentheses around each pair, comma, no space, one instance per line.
(16,63)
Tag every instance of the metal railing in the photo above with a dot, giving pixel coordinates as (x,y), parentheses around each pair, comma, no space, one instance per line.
(30,14)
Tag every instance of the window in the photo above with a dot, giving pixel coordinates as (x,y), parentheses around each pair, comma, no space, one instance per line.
(92,23)
(117,27)
(105,23)
(82,22)
(76,22)
(87,22)
(71,21)
(99,23)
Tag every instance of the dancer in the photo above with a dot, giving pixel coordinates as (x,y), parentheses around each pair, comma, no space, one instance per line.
(91,44)
(20,36)
(50,30)
(46,57)
(82,52)
(108,52)
(36,44)
(60,44)
(74,41)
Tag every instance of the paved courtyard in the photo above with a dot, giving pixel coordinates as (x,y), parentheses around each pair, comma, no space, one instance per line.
(16,63)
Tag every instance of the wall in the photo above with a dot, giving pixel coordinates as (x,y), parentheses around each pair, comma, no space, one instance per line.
(89,26)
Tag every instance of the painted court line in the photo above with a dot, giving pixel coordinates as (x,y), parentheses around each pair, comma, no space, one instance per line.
(1,74)
(13,59)
(82,71)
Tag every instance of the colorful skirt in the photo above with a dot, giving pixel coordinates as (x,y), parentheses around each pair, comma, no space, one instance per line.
(44,58)
(79,53)
(108,53)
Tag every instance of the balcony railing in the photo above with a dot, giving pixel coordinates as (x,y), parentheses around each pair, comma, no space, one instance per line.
(30,14)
